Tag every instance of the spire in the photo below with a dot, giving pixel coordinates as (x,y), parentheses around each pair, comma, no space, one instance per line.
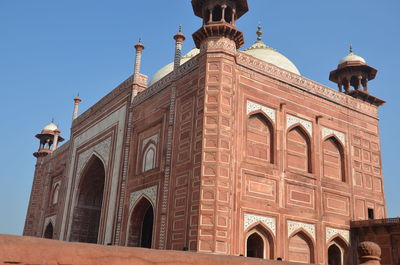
(139,47)
(351,49)
(77,100)
(259,33)
(179,39)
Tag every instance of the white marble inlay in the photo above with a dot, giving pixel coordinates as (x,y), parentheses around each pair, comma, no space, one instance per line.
(252,106)
(102,149)
(331,232)
(48,220)
(293,226)
(250,219)
(149,193)
(291,120)
(153,138)
(341,136)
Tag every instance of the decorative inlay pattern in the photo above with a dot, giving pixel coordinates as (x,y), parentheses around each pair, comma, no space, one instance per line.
(305,84)
(339,135)
(220,43)
(153,138)
(291,120)
(102,149)
(331,232)
(50,219)
(250,219)
(252,106)
(150,193)
(293,226)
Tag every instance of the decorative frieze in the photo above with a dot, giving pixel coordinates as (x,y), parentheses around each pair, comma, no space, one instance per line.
(252,106)
(293,226)
(250,219)
(149,193)
(292,120)
(341,136)
(331,232)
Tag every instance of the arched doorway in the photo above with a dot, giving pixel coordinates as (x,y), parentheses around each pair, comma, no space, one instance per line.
(87,212)
(141,225)
(48,233)
(301,248)
(334,255)
(255,246)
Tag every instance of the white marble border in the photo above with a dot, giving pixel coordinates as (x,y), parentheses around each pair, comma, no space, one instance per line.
(291,120)
(331,232)
(252,106)
(293,226)
(341,136)
(150,193)
(250,219)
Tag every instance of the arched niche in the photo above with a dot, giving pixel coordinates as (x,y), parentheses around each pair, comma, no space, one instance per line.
(55,194)
(337,251)
(260,137)
(87,212)
(141,224)
(259,243)
(301,248)
(49,231)
(333,159)
(149,157)
(299,149)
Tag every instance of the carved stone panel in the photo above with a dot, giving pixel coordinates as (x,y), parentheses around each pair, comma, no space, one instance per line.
(149,193)
(293,226)
(331,232)
(292,120)
(250,219)
(341,136)
(252,106)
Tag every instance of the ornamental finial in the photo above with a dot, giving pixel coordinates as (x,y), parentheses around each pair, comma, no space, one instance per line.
(351,49)
(180,28)
(259,32)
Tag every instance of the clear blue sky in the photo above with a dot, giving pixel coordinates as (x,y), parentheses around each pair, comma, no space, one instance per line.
(51,50)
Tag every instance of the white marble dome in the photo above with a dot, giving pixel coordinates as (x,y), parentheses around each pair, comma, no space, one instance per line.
(352,58)
(269,55)
(50,127)
(170,67)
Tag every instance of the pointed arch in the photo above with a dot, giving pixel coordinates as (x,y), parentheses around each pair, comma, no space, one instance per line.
(149,157)
(337,251)
(333,159)
(260,137)
(299,149)
(259,242)
(49,231)
(87,212)
(301,247)
(141,224)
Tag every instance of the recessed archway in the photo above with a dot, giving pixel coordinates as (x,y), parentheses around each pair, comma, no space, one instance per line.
(87,212)
(301,248)
(48,233)
(259,242)
(255,246)
(334,255)
(141,225)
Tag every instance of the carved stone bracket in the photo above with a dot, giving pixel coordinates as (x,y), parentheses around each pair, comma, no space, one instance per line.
(252,106)
(293,226)
(331,232)
(341,136)
(250,219)
(149,193)
(291,120)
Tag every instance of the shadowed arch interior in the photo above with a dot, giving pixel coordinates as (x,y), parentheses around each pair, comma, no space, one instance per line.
(87,212)
(260,138)
(299,150)
(333,159)
(334,255)
(260,243)
(48,233)
(141,225)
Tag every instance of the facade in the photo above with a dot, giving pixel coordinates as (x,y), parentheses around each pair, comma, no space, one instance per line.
(225,151)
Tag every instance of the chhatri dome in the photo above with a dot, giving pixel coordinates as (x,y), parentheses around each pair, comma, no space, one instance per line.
(50,127)
(352,57)
(269,55)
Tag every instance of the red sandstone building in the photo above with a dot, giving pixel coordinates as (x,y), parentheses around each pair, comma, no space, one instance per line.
(225,151)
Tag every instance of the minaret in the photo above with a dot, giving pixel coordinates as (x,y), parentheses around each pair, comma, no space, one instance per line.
(77,101)
(49,138)
(179,39)
(219,19)
(354,72)
(139,80)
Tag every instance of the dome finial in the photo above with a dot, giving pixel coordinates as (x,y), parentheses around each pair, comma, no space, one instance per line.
(259,32)
(351,49)
(180,28)
(52,120)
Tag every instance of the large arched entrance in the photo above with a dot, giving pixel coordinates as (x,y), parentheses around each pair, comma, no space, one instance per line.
(87,212)
(141,225)
(48,233)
